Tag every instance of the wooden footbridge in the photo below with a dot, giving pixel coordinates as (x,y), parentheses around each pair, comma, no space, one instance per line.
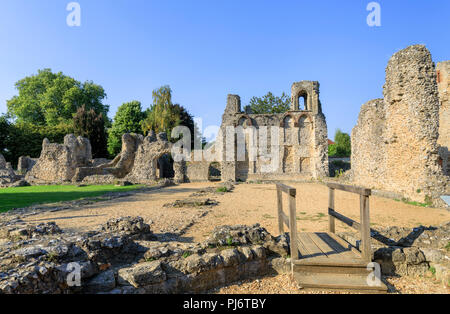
(323,260)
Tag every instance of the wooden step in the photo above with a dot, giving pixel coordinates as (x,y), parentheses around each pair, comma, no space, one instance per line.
(330,281)
(332,269)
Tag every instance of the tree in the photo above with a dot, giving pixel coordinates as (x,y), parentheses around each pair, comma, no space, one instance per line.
(163,115)
(342,146)
(25,139)
(269,104)
(127,120)
(51,99)
(5,128)
(89,124)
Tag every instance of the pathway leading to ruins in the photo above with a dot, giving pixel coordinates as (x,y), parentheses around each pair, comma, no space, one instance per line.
(257,204)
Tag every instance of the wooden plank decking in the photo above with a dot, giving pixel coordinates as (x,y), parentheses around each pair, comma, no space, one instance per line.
(327,249)
(323,260)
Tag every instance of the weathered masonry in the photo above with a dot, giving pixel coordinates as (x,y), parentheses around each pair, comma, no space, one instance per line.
(443,80)
(302,145)
(395,145)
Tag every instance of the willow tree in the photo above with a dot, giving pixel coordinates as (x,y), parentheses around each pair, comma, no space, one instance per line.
(163,115)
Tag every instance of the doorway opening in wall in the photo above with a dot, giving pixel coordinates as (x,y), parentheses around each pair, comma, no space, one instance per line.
(164,169)
(214,172)
(303,102)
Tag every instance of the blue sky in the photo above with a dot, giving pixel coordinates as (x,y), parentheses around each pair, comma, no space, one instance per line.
(206,49)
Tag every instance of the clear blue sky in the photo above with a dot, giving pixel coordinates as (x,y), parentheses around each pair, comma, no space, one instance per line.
(205,49)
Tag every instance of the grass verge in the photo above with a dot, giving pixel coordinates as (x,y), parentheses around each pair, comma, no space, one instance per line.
(20,197)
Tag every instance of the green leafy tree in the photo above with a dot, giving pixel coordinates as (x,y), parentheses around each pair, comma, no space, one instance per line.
(269,104)
(51,99)
(25,139)
(127,120)
(163,115)
(342,146)
(5,128)
(89,124)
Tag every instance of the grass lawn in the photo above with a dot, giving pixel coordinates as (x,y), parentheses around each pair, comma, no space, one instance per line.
(20,197)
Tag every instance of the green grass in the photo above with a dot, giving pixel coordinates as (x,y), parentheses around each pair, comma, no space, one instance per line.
(433,270)
(20,197)
(406,201)
(222,189)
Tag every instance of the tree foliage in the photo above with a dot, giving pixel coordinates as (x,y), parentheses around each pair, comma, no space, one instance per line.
(127,120)
(5,129)
(269,104)
(51,99)
(342,146)
(163,115)
(89,124)
(25,139)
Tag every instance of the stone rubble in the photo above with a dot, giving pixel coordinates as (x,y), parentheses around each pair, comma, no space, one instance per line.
(410,252)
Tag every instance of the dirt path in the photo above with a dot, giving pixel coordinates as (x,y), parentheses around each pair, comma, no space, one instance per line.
(247,204)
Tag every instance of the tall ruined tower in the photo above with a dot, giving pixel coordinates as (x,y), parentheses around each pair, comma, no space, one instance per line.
(309,92)
(395,142)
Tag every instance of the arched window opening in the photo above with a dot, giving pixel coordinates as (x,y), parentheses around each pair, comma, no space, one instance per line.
(303,101)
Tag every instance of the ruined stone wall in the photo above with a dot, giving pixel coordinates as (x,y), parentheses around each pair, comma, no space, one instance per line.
(301,147)
(197,171)
(443,79)
(145,163)
(25,164)
(412,124)
(368,148)
(395,141)
(58,162)
(7,174)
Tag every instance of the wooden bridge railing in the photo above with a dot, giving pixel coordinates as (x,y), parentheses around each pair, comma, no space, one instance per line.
(291,220)
(364,226)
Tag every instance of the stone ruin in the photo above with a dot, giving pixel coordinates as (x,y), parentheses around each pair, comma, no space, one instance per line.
(302,147)
(400,143)
(7,174)
(395,142)
(303,138)
(59,162)
(124,256)
(302,144)
(72,161)
(443,80)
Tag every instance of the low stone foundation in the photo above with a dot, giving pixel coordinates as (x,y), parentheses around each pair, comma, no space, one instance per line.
(124,256)
(411,252)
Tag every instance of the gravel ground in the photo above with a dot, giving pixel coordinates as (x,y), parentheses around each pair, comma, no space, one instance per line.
(247,204)
(283,284)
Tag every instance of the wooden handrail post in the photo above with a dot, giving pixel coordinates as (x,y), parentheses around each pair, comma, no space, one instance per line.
(366,248)
(331,206)
(293,227)
(280,211)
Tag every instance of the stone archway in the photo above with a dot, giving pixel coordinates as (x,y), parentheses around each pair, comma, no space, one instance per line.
(164,167)
(215,172)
